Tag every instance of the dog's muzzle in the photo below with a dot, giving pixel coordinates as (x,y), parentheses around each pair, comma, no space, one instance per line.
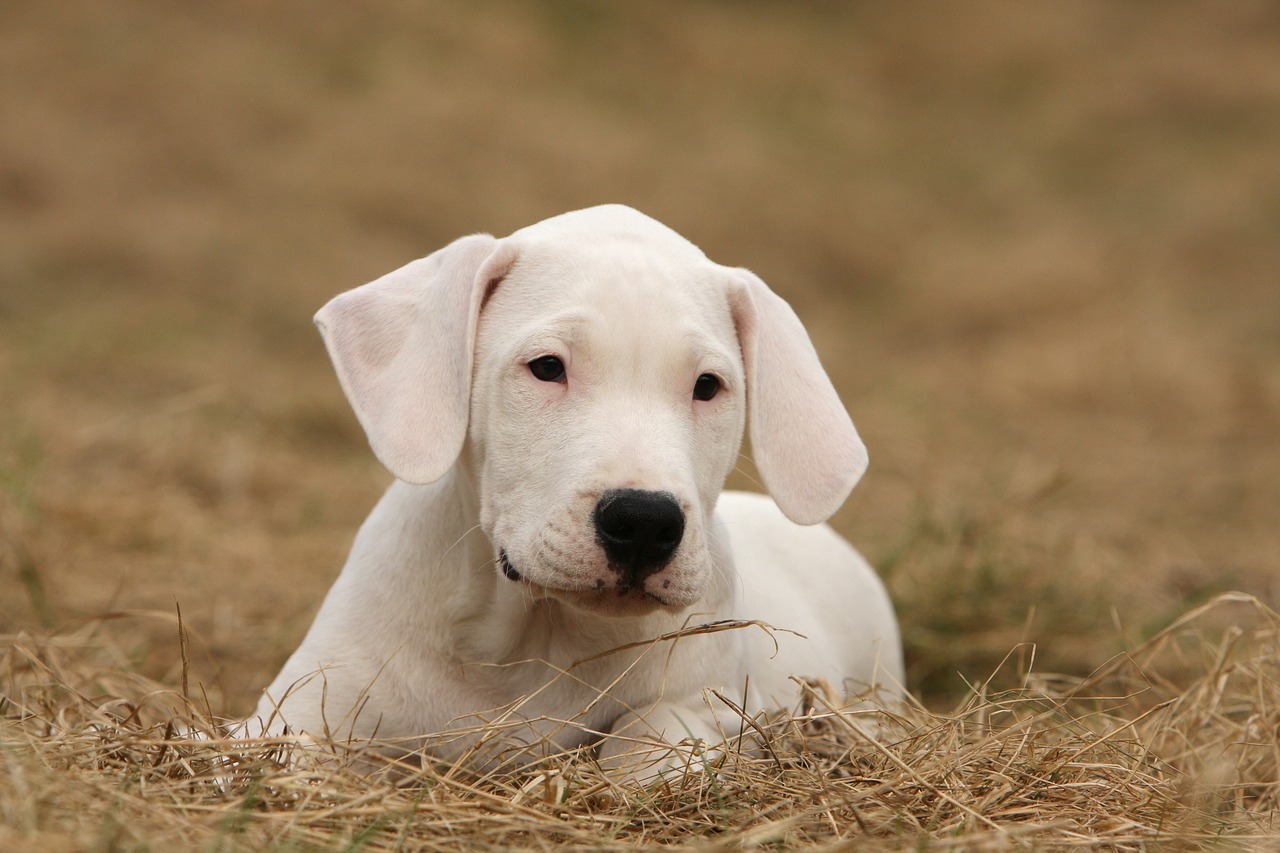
(639,532)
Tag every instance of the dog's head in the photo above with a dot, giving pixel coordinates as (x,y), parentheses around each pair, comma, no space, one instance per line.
(593,372)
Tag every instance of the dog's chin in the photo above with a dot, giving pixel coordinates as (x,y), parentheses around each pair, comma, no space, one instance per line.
(604,602)
(609,602)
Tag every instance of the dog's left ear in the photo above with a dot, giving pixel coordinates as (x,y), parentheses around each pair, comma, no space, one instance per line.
(806,447)
(403,349)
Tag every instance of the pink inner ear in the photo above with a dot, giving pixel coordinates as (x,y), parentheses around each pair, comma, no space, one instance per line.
(806,447)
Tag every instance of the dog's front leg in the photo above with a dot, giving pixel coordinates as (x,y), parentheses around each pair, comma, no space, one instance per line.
(667,738)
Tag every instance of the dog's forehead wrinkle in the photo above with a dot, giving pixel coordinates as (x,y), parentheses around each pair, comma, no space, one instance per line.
(572,306)
(643,267)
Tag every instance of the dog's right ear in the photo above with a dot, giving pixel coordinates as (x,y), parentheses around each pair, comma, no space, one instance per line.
(402,346)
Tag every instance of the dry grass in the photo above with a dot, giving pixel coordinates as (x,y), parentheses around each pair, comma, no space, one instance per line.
(1036,245)
(1137,755)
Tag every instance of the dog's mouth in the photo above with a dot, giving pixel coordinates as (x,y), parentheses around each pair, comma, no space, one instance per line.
(507,569)
(600,597)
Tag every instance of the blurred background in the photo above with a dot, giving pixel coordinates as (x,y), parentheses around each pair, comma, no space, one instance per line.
(1037,245)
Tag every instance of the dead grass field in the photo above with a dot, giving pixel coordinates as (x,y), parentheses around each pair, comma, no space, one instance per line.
(1038,246)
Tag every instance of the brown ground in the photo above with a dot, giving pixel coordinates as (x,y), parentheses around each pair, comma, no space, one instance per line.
(1038,246)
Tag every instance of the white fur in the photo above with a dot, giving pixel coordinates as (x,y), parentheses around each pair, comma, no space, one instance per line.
(422,635)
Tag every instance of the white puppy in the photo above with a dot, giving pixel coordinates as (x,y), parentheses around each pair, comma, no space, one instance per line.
(561,409)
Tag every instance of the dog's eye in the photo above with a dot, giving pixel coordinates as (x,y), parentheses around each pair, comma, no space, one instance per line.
(706,387)
(548,369)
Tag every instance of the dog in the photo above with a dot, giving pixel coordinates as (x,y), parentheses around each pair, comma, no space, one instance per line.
(555,565)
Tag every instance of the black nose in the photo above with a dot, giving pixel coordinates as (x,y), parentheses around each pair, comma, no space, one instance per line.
(638,530)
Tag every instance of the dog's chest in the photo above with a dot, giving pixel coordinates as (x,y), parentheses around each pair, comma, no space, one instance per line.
(557,671)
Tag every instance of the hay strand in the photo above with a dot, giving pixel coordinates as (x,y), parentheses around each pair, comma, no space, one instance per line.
(1146,751)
